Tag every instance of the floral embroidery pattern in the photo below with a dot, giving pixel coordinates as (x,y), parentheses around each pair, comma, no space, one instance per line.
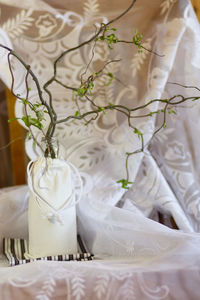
(46,24)
(47,289)
(17,25)
(91,9)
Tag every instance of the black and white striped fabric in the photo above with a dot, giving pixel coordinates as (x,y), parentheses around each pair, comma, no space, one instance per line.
(14,249)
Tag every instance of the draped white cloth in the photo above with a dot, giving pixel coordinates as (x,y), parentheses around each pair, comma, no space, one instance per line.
(135,256)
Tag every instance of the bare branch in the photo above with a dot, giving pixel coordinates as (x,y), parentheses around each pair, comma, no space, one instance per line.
(141,46)
(65,86)
(184,86)
(86,42)
(26,113)
(10,143)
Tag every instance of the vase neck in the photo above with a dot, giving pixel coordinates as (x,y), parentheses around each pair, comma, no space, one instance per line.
(50,147)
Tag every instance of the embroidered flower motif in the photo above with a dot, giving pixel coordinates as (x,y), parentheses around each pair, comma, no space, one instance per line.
(175,151)
(46,24)
(177,157)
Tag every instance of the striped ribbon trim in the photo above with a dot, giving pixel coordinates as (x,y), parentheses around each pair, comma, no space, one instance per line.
(14,250)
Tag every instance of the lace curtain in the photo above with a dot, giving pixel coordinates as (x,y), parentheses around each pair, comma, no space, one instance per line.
(135,256)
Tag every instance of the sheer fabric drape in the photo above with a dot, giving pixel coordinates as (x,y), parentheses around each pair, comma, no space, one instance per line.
(135,256)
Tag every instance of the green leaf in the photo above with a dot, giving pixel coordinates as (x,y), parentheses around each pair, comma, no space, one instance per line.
(14,119)
(110,38)
(101,109)
(37,104)
(108,28)
(155,112)
(137,39)
(39,115)
(111,77)
(164,125)
(90,87)
(111,105)
(26,120)
(124,183)
(36,123)
(29,135)
(24,101)
(81,91)
(139,133)
(172,111)
(76,113)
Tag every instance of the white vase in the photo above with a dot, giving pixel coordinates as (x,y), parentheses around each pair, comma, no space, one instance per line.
(52,210)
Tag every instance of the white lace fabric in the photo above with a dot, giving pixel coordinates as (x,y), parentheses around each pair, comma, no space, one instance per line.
(136,258)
